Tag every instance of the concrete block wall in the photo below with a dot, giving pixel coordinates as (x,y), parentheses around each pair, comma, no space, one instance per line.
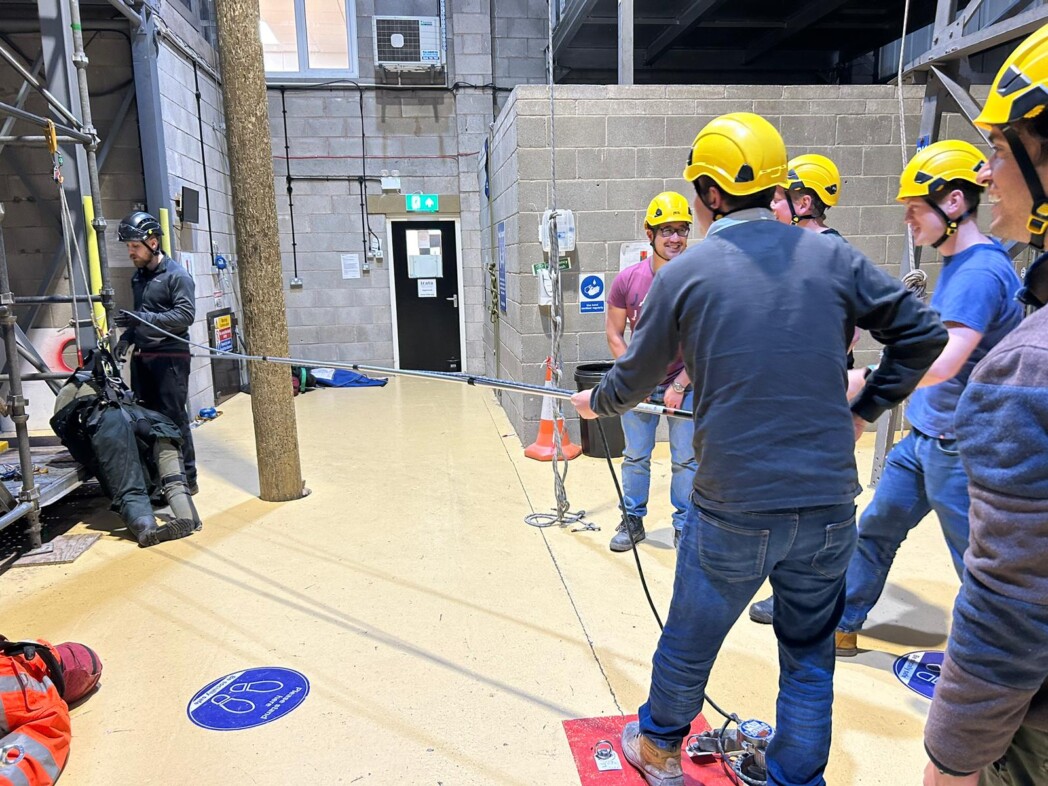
(618,146)
(431,134)
(520,35)
(191,146)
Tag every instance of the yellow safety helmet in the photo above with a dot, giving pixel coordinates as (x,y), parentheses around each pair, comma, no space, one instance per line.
(817,173)
(666,207)
(936,165)
(742,152)
(932,169)
(1019,90)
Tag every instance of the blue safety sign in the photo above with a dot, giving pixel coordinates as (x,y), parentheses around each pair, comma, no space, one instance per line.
(919,671)
(245,699)
(501,233)
(591,294)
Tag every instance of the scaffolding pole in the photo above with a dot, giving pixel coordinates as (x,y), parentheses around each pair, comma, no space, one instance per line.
(29,498)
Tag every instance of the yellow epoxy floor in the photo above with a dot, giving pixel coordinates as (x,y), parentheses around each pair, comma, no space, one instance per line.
(445,640)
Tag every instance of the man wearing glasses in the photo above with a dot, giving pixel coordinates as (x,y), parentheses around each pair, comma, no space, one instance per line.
(667,224)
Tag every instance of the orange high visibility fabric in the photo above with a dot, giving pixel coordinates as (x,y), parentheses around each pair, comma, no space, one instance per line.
(34,723)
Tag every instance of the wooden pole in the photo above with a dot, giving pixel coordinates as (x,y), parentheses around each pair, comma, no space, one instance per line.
(258,247)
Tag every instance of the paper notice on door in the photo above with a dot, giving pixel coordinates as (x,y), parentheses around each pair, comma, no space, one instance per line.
(425,266)
(351,266)
(427,287)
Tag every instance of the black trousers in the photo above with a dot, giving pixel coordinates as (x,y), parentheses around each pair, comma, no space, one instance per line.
(118,465)
(161,382)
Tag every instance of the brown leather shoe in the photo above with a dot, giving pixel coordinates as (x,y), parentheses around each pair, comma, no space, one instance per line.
(847,644)
(659,766)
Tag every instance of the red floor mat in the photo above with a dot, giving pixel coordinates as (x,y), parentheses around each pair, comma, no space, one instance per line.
(584,734)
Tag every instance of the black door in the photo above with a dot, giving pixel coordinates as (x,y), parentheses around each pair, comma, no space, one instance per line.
(425,269)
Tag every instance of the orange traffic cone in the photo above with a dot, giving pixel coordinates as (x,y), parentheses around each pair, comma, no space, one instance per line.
(542,448)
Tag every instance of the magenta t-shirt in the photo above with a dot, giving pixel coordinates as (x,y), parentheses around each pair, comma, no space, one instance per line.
(628,291)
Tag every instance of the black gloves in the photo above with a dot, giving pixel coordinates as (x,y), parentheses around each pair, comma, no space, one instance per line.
(126,320)
(120,350)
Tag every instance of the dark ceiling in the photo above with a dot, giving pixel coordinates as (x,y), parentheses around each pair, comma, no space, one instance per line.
(736,41)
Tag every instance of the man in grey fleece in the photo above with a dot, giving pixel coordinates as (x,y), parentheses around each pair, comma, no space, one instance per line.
(763,314)
(165,298)
(988,722)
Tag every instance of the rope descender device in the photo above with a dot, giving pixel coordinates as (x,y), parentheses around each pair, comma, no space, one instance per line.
(743,748)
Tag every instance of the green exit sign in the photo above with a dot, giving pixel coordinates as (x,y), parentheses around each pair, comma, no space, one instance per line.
(422,203)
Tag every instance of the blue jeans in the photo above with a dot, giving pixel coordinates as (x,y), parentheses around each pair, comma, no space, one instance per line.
(921,474)
(722,560)
(639,430)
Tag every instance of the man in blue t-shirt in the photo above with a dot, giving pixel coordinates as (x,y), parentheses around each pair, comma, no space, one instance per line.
(975,300)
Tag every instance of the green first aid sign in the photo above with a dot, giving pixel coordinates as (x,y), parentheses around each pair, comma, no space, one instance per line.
(422,203)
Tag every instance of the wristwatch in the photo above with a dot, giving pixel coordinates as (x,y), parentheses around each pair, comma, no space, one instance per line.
(677,387)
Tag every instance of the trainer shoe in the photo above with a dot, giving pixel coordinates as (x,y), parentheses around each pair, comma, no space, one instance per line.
(659,766)
(630,527)
(761,611)
(847,644)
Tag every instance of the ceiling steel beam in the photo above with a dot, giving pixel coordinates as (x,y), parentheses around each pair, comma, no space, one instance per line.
(1006,13)
(952,43)
(740,23)
(575,16)
(133,16)
(679,28)
(969,108)
(801,20)
(605,58)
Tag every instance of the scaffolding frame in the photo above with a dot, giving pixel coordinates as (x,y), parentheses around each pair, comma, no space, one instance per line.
(65,61)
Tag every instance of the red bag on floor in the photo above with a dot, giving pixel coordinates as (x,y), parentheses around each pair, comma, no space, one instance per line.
(34,715)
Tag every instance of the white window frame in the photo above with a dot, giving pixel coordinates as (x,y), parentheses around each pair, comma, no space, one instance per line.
(304,72)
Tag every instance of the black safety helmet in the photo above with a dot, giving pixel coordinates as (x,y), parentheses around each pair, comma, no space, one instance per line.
(138,226)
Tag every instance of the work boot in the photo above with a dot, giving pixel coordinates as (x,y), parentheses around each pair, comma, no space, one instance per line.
(761,611)
(630,527)
(144,530)
(659,766)
(147,533)
(175,529)
(847,644)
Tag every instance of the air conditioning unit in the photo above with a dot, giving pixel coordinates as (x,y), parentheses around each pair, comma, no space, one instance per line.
(408,43)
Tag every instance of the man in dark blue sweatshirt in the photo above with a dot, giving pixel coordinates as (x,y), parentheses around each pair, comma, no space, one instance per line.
(763,315)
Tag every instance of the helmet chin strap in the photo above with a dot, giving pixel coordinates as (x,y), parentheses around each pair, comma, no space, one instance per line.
(719,214)
(655,248)
(656,252)
(796,218)
(1037,222)
(952,224)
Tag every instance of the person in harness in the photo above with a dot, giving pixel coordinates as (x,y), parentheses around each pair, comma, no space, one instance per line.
(134,452)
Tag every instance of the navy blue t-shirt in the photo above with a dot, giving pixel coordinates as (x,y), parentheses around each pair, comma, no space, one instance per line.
(976,289)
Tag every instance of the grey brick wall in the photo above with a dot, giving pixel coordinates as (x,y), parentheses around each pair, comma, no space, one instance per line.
(432,135)
(619,146)
(198,244)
